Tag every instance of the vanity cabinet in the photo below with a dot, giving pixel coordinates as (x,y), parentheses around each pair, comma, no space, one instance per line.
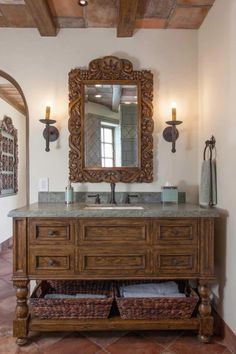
(112,248)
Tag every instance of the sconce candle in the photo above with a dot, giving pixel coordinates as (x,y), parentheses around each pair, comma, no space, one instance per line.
(47,115)
(171,133)
(50,133)
(173,111)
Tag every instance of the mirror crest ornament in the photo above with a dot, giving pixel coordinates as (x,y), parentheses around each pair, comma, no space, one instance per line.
(110,70)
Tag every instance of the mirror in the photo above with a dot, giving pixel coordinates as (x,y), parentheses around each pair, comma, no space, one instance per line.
(110,122)
(111,119)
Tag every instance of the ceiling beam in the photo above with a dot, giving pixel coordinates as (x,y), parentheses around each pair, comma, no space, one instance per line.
(4,95)
(127,16)
(42,16)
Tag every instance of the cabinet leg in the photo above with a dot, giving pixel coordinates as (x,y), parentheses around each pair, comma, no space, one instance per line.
(20,323)
(204,309)
(21,341)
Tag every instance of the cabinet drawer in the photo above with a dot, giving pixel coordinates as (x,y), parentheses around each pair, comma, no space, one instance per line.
(43,231)
(176,262)
(113,263)
(176,232)
(58,261)
(113,231)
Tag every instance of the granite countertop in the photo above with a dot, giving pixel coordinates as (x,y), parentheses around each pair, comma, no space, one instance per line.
(149,210)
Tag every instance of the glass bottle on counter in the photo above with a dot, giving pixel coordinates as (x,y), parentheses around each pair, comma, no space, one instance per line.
(69,194)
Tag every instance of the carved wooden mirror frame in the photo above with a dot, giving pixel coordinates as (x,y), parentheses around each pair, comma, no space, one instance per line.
(110,68)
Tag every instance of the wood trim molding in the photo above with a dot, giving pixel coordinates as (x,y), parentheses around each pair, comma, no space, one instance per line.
(42,16)
(127,17)
(111,70)
(17,86)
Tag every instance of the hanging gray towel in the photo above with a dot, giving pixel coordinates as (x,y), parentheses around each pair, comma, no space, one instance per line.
(208,187)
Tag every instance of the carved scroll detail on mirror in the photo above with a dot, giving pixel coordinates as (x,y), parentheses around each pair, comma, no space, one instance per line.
(110,68)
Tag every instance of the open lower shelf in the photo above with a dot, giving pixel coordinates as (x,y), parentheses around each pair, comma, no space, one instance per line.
(109,324)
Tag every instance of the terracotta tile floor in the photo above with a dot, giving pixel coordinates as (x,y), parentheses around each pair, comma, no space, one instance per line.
(151,342)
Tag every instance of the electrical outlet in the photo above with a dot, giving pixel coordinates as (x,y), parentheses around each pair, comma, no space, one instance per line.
(43,184)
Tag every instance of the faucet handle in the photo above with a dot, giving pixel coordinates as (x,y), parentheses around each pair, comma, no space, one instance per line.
(96,196)
(128,196)
(112,198)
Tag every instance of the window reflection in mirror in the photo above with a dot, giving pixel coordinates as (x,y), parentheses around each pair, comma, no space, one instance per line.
(111,122)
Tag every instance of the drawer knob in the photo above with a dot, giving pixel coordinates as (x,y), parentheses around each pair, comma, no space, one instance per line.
(51,233)
(174,261)
(176,232)
(51,262)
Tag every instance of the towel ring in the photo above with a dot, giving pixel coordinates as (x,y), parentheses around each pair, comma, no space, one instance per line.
(210,144)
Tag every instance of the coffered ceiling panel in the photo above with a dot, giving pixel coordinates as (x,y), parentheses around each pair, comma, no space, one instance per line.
(102,13)
(2,21)
(68,8)
(12,2)
(155,8)
(195,2)
(67,14)
(188,18)
(127,15)
(150,23)
(17,16)
(70,22)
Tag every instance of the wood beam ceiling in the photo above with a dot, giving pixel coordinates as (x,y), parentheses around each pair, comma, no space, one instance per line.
(13,98)
(42,16)
(127,16)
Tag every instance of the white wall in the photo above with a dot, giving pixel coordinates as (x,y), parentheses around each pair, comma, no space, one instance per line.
(18,200)
(41,66)
(217,93)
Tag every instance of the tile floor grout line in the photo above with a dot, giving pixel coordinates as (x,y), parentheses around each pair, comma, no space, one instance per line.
(6,260)
(153,339)
(6,281)
(41,335)
(102,347)
(175,340)
(116,339)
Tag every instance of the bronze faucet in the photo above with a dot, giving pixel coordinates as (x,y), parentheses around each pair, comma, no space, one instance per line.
(113,199)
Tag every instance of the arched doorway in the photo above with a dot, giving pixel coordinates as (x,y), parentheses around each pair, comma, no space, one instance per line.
(17,86)
(13,104)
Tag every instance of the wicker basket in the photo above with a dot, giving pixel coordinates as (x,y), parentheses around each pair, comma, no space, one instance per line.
(156,308)
(71,308)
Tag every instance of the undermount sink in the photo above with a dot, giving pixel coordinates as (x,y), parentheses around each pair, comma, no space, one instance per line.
(113,207)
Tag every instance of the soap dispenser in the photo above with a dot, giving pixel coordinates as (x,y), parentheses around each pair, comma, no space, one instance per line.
(69,194)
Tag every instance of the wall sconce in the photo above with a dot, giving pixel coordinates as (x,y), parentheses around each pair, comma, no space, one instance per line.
(50,133)
(171,133)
